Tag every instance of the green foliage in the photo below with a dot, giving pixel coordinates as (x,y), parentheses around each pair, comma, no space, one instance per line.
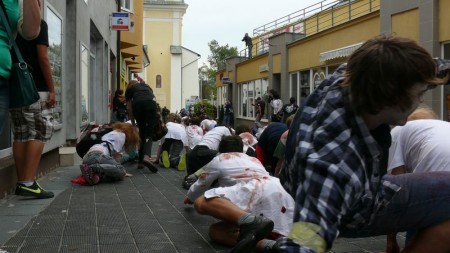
(205,108)
(218,55)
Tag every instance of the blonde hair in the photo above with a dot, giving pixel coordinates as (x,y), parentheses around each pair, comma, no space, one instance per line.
(132,139)
(422,112)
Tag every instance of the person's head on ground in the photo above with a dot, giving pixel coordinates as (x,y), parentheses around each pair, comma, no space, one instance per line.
(132,139)
(173,117)
(388,77)
(230,144)
(422,112)
(242,129)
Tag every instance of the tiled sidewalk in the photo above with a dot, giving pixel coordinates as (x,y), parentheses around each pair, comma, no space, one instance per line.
(144,213)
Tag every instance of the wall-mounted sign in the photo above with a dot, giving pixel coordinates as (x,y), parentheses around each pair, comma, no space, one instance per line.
(120,21)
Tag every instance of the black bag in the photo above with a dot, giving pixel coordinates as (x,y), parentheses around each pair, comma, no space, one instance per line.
(22,90)
(92,134)
(160,130)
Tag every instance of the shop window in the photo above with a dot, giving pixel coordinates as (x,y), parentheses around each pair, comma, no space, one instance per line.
(84,74)
(127,5)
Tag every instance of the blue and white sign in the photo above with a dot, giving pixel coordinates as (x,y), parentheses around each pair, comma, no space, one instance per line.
(120,21)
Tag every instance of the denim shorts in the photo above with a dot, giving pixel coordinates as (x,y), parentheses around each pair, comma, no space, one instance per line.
(423,201)
(4,102)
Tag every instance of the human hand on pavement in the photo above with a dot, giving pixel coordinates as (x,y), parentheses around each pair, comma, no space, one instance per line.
(187,201)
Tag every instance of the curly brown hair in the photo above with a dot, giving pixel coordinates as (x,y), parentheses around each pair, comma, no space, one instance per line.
(132,139)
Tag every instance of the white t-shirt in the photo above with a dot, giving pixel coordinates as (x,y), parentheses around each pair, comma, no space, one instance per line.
(194,134)
(117,140)
(246,183)
(176,131)
(421,146)
(277,105)
(213,137)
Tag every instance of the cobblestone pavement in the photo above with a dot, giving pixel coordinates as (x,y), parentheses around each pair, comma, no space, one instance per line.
(143,213)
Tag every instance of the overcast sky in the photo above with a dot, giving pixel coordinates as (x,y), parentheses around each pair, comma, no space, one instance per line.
(228,20)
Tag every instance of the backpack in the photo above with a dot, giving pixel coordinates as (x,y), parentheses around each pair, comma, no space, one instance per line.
(92,134)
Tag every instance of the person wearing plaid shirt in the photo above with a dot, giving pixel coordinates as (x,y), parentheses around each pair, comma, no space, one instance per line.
(335,163)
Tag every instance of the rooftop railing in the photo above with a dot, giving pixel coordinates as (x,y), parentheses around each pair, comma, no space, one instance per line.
(311,20)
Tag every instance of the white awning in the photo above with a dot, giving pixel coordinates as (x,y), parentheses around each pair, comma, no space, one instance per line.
(340,52)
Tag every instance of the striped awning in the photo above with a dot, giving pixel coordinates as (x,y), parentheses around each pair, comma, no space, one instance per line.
(340,52)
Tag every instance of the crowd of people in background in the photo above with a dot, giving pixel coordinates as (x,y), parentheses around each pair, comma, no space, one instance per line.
(327,168)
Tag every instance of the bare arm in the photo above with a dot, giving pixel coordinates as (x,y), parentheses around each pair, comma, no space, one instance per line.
(31,19)
(44,62)
(398,170)
(391,239)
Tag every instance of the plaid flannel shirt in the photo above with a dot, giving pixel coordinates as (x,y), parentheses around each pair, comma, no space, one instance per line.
(333,173)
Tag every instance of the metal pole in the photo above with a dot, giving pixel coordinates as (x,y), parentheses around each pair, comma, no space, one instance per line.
(118,76)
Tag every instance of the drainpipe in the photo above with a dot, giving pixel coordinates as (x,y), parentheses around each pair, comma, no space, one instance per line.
(118,50)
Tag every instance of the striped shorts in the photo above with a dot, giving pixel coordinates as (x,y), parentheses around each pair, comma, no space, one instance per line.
(32,122)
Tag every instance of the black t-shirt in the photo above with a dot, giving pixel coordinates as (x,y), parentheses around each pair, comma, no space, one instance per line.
(262,105)
(139,92)
(28,50)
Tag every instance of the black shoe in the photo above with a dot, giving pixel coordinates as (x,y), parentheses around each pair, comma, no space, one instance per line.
(188,181)
(150,166)
(35,190)
(251,233)
(276,248)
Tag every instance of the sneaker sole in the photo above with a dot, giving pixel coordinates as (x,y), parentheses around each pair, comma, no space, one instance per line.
(86,174)
(165,159)
(248,244)
(150,166)
(182,163)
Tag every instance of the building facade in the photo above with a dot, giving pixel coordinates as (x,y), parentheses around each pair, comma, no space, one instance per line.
(85,55)
(294,58)
(174,68)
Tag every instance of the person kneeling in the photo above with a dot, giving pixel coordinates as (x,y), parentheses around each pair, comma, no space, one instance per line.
(251,204)
(102,162)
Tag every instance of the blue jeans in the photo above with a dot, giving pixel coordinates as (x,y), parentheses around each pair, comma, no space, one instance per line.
(423,201)
(108,169)
(4,102)
(174,148)
(226,119)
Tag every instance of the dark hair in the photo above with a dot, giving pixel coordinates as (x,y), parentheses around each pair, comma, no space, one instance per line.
(118,92)
(275,94)
(173,117)
(382,71)
(292,100)
(242,129)
(195,121)
(231,144)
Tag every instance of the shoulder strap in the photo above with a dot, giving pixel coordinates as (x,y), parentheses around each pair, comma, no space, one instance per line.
(12,42)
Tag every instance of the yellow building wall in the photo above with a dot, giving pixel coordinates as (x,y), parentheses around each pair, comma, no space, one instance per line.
(406,24)
(158,37)
(276,64)
(305,54)
(444,20)
(339,15)
(249,70)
